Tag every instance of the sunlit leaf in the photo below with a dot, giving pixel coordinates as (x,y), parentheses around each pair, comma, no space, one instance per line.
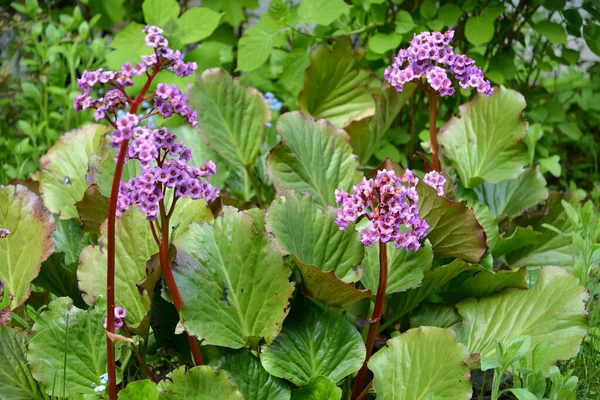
(199,383)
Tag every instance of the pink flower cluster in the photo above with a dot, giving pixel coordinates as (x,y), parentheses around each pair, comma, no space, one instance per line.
(435,180)
(390,203)
(166,103)
(120,314)
(424,52)
(171,171)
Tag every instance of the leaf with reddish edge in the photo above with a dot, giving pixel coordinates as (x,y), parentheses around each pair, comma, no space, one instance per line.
(328,288)
(92,209)
(28,245)
(64,166)
(453,228)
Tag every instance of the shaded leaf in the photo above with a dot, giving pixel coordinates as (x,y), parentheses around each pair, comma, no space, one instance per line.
(553,31)
(442,316)
(92,209)
(521,237)
(486,283)
(59,280)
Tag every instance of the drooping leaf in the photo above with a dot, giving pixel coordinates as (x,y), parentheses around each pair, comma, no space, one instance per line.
(511,197)
(401,304)
(486,283)
(318,388)
(521,237)
(199,383)
(406,269)
(196,24)
(315,340)
(67,353)
(92,209)
(67,239)
(321,12)
(250,377)
(59,279)
(328,288)
(430,314)
(62,181)
(487,221)
(28,245)
(139,390)
(231,117)
(313,157)
(239,273)
(485,141)
(300,227)
(426,362)
(553,310)
(333,88)
(367,132)
(134,246)
(16,382)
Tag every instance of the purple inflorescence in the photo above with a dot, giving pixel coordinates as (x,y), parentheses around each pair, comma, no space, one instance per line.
(393,215)
(4,233)
(436,181)
(120,314)
(424,52)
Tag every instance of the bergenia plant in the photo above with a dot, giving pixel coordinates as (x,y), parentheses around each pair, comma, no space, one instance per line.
(166,175)
(430,59)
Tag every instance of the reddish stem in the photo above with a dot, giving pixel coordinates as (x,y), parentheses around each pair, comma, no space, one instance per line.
(167,273)
(375,319)
(433,130)
(110,270)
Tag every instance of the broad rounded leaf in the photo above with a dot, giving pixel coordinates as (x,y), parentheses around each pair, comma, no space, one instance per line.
(553,31)
(250,377)
(139,390)
(308,231)
(426,362)
(196,24)
(511,197)
(231,117)
(406,269)
(449,13)
(134,246)
(315,340)
(486,283)
(16,382)
(256,44)
(479,30)
(28,245)
(67,353)
(313,157)
(333,88)
(485,142)
(232,281)
(199,383)
(62,181)
(404,22)
(321,12)
(553,310)
(382,42)
(318,388)
(159,12)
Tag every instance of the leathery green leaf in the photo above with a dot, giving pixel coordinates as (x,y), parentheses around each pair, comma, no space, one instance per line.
(62,180)
(485,142)
(28,245)
(422,362)
(300,227)
(199,383)
(313,157)
(333,88)
(315,340)
(233,283)
(553,310)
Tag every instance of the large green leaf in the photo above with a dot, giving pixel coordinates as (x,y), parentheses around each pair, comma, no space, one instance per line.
(67,353)
(134,246)
(321,12)
(62,180)
(315,340)
(139,390)
(256,45)
(333,88)
(231,117)
(403,303)
(318,388)
(313,157)
(511,197)
(308,231)
(422,363)
(366,133)
(233,283)
(251,378)
(430,314)
(486,283)
(519,238)
(199,383)
(551,311)
(406,269)
(197,23)
(159,12)
(29,243)
(485,142)
(16,382)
